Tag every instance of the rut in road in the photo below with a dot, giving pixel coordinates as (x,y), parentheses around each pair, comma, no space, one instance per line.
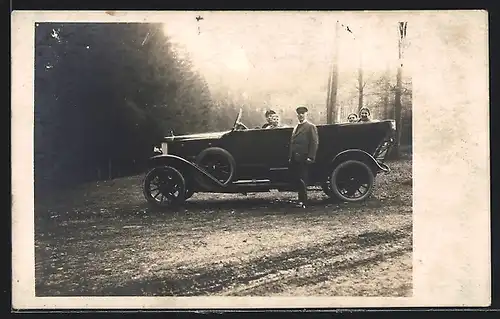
(260,275)
(312,273)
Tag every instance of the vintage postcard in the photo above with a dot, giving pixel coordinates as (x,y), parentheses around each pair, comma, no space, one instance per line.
(246,159)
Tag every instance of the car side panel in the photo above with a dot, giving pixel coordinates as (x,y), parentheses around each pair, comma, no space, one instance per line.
(338,138)
(258,150)
(263,153)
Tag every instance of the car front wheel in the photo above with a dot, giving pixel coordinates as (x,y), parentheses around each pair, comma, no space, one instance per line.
(189,192)
(164,186)
(352,181)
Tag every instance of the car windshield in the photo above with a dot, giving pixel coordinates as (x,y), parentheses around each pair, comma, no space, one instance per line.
(237,123)
(238,117)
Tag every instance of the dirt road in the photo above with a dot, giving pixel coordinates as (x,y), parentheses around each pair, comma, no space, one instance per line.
(102,239)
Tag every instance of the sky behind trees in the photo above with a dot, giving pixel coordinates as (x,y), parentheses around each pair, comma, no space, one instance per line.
(283,58)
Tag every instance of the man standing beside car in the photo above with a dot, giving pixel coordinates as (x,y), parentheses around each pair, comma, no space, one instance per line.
(304,144)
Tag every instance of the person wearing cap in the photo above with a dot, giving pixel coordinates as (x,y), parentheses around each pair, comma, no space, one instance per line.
(304,144)
(268,115)
(364,115)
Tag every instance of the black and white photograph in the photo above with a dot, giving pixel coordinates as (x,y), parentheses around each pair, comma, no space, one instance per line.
(251,154)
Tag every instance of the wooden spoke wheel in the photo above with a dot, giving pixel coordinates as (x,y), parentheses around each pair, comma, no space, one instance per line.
(352,181)
(164,186)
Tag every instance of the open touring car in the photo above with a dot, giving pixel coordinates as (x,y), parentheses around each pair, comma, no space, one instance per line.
(243,160)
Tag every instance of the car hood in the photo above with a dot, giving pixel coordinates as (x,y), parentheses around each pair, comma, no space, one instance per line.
(198,136)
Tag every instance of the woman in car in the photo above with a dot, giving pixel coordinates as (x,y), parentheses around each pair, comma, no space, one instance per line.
(352,118)
(364,115)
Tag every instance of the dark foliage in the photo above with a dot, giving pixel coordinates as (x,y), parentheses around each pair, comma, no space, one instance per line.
(105,94)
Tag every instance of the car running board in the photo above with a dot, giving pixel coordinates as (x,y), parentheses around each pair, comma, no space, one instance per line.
(252,182)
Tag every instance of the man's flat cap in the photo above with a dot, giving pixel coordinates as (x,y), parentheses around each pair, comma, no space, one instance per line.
(301,109)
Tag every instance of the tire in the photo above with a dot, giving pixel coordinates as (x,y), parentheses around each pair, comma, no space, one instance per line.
(217,162)
(189,193)
(327,189)
(174,192)
(348,178)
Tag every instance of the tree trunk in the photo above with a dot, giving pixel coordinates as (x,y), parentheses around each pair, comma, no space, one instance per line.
(386,106)
(333,98)
(333,82)
(360,89)
(397,107)
(328,95)
(398,114)
(386,94)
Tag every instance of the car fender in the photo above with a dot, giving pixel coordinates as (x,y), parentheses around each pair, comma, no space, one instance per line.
(357,154)
(181,163)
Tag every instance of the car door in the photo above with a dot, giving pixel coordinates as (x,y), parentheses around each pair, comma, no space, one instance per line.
(256,151)
(276,144)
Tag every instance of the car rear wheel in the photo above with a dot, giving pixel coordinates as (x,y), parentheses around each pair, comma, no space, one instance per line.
(189,193)
(326,188)
(352,181)
(218,163)
(164,186)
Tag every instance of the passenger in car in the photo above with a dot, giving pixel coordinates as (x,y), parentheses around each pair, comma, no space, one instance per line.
(275,121)
(364,115)
(352,118)
(268,115)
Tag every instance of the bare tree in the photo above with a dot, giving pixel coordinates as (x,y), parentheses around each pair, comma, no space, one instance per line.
(331,99)
(361,86)
(363,83)
(386,91)
(397,104)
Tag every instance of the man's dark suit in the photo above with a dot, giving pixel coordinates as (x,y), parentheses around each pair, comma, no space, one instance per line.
(303,146)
